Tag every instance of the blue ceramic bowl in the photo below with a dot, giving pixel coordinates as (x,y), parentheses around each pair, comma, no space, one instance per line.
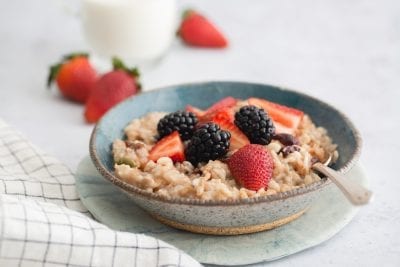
(222,217)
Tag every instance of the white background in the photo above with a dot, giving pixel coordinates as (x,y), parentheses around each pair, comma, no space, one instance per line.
(346,53)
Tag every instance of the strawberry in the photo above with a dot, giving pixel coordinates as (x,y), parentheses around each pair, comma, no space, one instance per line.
(110,89)
(280,128)
(252,166)
(226,102)
(221,108)
(196,111)
(196,30)
(74,76)
(169,146)
(286,119)
(224,114)
(238,139)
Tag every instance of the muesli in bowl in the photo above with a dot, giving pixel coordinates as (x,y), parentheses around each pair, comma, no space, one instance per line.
(218,176)
(235,149)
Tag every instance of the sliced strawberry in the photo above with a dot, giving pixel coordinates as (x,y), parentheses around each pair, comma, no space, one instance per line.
(226,102)
(196,111)
(222,108)
(238,139)
(224,113)
(169,146)
(279,128)
(285,116)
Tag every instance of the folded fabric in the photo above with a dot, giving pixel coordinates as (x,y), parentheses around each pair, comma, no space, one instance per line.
(44,223)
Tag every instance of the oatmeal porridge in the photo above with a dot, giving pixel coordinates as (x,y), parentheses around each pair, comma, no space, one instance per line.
(189,154)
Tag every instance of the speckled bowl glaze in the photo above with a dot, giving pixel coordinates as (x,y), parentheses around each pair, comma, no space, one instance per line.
(222,217)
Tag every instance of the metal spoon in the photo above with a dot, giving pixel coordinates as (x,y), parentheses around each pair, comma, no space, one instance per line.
(355,193)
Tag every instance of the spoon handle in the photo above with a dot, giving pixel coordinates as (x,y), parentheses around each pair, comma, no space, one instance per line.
(356,193)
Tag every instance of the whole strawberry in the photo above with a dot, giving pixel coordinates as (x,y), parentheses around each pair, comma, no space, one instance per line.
(252,166)
(75,77)
(110,89)
(196,30)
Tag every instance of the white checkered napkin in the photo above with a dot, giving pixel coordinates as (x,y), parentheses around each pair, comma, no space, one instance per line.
(27,172)
(36,233)
(43,222)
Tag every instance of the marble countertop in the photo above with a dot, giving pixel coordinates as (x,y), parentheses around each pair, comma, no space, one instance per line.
(346,53)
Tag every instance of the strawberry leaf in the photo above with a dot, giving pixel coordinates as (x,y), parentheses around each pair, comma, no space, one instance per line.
(118,64)
(75,55)
(54,69)
(187,13)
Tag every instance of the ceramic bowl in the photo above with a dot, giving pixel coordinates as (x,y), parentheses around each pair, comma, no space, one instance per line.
(222,217)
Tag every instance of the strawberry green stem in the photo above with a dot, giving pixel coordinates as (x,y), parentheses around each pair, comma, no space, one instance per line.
(54,69)
(118,64)
(187,13)
(75,55)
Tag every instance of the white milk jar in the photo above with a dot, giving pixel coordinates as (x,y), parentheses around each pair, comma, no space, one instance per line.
(137,31)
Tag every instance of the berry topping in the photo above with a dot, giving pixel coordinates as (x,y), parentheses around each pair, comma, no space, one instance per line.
(286,119)
(288,149)
(182,121)
(238,139)
(286,139)
(196,111)
(252,166)
(169,146)
(208,142)
(280,128)
(226,113)
(255,124)
(226,102)
(223,107)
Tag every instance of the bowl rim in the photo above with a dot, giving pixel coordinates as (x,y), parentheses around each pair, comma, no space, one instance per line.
(199,202)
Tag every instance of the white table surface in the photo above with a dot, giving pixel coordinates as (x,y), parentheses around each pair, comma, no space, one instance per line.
(344,52)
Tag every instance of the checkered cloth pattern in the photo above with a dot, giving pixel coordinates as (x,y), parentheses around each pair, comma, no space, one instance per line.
(43,222)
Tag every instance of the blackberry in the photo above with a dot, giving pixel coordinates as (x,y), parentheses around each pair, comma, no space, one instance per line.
(208,142)
(255,124)
(182,121)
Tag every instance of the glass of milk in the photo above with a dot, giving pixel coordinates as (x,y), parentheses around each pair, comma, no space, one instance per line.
(137,31)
